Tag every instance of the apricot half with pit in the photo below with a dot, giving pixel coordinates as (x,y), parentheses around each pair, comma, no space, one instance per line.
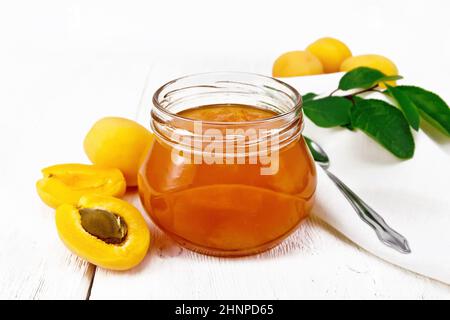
(106,231)
(67,183)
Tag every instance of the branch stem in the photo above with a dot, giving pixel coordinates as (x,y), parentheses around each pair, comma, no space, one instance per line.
(334,91)
(373,89)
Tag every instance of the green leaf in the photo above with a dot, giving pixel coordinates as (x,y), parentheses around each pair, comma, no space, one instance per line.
(328,112)
(408,107)
(356,99)
(431,107)
(308,96)
(386,124)
(364,78)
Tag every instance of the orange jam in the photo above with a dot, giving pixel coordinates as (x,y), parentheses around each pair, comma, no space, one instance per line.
(227,209)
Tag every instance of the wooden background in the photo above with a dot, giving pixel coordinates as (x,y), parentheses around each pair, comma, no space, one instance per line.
(64,65)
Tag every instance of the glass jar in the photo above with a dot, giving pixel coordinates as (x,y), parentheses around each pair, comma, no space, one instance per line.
(238,199)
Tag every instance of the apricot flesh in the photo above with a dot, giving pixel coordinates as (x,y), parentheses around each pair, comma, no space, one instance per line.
(122,253)
(331,52)
(118,143)
(296,63)
(67,183)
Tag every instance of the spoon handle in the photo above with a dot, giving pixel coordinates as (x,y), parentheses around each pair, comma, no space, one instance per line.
(386,234)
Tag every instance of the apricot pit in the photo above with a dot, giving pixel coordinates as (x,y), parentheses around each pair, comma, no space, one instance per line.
(105,225)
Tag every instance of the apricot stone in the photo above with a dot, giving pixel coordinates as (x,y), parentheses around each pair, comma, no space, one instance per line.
(118,143)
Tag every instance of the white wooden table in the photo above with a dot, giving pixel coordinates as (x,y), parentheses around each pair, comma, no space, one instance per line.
(54,83)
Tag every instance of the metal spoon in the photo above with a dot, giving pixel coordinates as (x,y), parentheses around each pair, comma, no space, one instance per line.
(386,234)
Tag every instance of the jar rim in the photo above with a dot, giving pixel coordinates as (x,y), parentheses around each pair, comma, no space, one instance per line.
(298,102)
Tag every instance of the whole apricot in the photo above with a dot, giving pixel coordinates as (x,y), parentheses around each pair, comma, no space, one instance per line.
(374,61)
(296,63)
(331,52)
(118,143)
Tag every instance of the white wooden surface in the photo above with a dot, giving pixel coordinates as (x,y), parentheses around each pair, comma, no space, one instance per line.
(63,65)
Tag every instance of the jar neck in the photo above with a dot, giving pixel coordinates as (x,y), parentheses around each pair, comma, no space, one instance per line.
(227,88)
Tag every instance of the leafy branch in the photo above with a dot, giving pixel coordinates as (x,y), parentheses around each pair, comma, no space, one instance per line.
(388,124)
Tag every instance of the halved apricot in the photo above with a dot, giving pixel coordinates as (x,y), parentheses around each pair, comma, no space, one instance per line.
(67,183)
(106,231)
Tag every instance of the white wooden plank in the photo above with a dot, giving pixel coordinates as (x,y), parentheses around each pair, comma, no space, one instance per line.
(50,102)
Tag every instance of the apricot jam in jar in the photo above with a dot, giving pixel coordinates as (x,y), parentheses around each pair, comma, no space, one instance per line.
(229,173)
